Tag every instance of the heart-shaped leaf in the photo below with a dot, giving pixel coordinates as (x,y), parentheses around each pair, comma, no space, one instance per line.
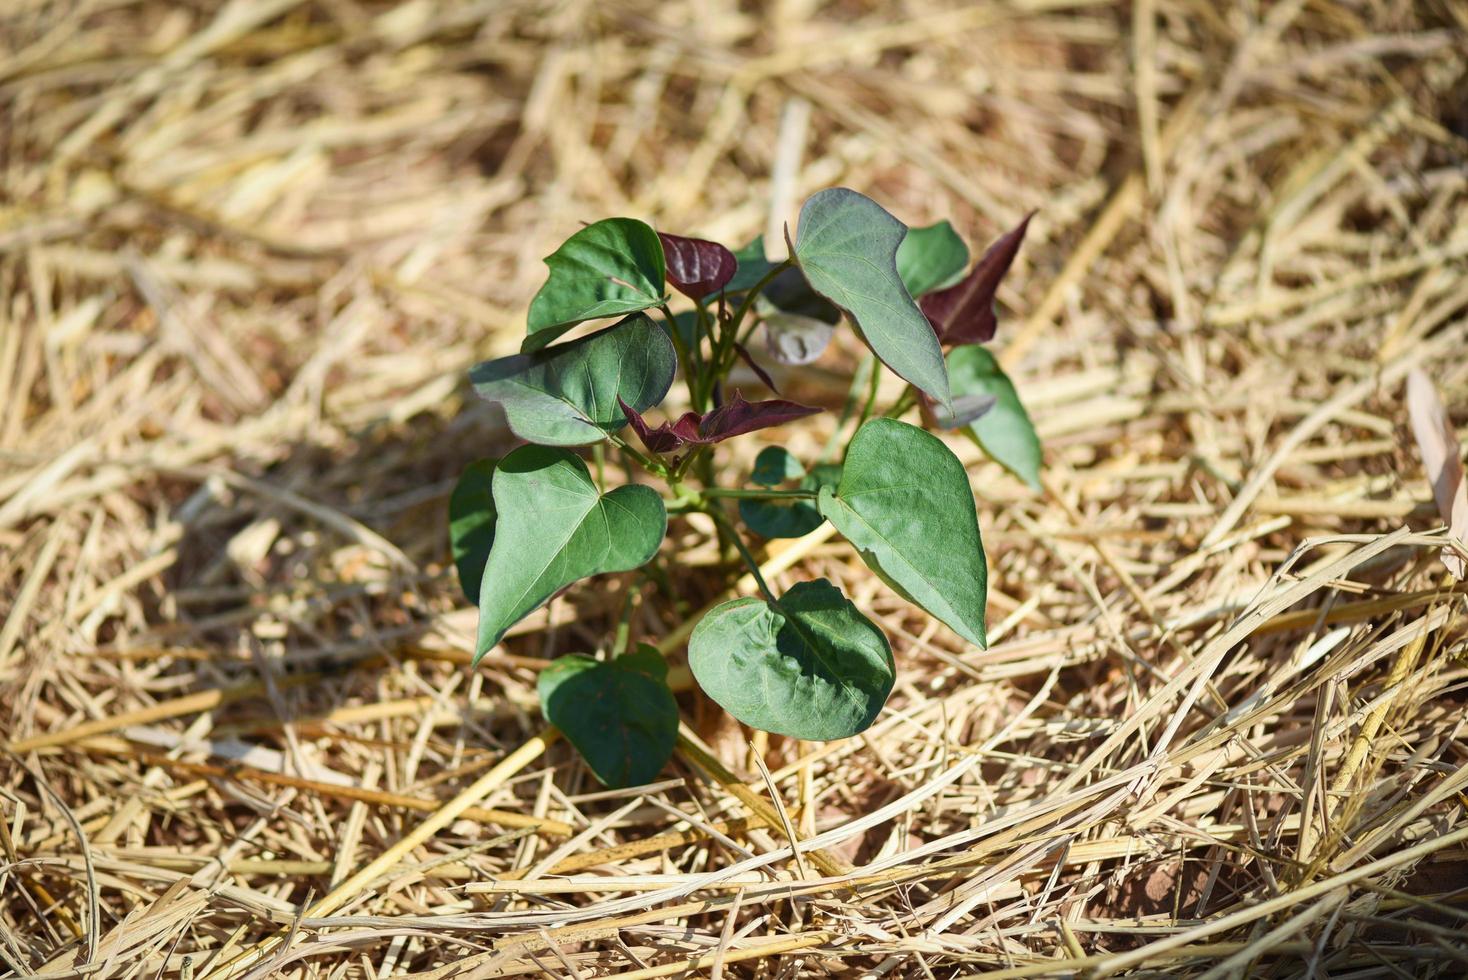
(809,666)
(606,269)
(847,247)
(471,524)
(696,267)
(734,418)
(555,528)
(904,501)
(964,314)
(571,394)
(620,715)
(785,519)
(1005,432)
(931,258)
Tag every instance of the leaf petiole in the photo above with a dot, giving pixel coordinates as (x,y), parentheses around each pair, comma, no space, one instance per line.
(687,463)
(905,401)
(733,535)
(701,314)
(860,381)
(747,494)
(730,334)
(874,383)
(754,292)
(648,463)
(685,357)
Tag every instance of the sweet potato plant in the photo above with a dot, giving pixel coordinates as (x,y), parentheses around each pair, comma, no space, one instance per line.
(806,663)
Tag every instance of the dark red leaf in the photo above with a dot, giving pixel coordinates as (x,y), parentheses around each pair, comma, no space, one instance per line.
(666,437)
(964,313)
(740,416)
(748,358)
(697,268)
(724,422)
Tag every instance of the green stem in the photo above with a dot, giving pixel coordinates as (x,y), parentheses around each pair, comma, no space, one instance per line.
(702,314)
(724,350)
(693,456)
(648,463)
(704,461)
(737,494)
(749,332)
(750,296)
(708,321)
(658,575)
(873,383)
(729,529)
(905,401)
(624,624)
(691,372)
(860,379)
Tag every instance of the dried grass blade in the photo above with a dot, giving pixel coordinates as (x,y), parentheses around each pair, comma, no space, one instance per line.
(1442,458)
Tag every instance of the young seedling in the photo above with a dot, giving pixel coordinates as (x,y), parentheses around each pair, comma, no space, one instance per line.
(806,663)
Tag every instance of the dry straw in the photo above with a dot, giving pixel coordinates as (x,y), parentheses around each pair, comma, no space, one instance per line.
(247,250)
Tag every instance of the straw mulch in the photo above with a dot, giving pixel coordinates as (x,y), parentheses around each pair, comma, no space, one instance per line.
(247,251)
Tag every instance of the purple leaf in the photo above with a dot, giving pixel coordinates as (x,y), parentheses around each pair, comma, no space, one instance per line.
(695,267)
(964,313)
(724,422)
(748,358)
(666,437)
(740,416)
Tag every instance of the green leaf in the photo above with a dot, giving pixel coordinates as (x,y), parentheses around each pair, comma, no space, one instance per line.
(785,519)
(810,666)
(931,258)
(566,395)
(606,269)
(620,715)
(772,520)
(774,465)
(847,247)
(1005,432)
(471,524)
(904,501)
(554,528)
